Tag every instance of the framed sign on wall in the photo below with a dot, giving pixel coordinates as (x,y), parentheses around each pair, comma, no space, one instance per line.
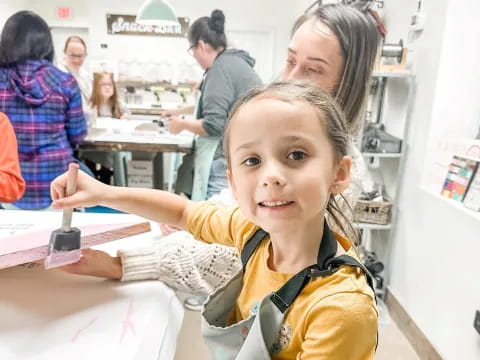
(127,25)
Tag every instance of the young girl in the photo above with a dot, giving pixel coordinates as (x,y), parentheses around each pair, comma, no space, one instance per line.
(103,103)
(302,294)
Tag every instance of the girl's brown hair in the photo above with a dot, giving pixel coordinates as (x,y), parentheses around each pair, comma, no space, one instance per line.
(330,115)
(357,33)
(96,99)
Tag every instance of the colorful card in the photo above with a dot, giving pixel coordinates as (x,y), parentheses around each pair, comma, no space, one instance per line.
(472,199)
(459,175)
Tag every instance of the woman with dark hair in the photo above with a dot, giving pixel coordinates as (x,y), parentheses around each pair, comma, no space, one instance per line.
(43,104)
(228,75)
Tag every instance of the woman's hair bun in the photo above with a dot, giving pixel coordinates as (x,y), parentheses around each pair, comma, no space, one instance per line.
(216,22)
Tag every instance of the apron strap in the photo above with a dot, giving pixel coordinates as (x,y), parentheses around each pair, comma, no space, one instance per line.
(327,264)
(338,261)
(251,245)
(287,294)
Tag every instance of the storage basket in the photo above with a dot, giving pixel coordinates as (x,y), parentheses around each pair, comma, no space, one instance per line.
(373,212)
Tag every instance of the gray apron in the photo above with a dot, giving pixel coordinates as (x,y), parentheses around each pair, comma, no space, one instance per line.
(255,337)
(203,153)
(194,173)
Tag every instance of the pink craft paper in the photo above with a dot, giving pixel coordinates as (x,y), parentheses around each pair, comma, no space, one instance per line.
(38,238)
(33,246)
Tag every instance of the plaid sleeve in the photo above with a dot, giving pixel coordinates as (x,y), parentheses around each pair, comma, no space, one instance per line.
(76,125)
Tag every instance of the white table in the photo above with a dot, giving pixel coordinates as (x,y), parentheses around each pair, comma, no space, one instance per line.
(136,136)
(49,315)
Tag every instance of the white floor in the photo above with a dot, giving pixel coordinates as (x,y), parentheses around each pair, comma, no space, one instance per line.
(392,344)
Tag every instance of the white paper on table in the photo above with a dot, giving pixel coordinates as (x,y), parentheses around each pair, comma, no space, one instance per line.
(52,315)
(118,130)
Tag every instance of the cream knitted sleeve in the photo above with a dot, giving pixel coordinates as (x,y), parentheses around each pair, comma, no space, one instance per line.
(182,263)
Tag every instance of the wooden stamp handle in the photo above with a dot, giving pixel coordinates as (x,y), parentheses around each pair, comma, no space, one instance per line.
(71,189)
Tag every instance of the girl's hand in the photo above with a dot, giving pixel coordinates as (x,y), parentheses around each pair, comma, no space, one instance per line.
(176,124)
(90,192)
(96,263)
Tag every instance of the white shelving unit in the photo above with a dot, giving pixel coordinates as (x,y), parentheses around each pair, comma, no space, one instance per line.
(383,155)
(365,226)
(455,204)
(392,74)
(373,233)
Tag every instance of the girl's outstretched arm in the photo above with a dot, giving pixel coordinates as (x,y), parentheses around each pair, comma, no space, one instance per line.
(157,205)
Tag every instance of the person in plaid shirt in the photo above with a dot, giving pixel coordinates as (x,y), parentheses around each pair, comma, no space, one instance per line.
(43,103)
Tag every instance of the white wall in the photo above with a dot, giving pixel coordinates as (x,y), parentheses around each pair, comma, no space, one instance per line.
(435,251)
(277,16)
(7,8)
(266,15)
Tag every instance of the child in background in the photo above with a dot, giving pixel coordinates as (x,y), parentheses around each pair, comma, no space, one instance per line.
(298,277)
(103,103)
(12,184)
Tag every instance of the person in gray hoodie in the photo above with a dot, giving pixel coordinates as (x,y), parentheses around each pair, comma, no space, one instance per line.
(229,74)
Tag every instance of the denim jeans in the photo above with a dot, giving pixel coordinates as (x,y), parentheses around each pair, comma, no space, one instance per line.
(218,177)
(84,167)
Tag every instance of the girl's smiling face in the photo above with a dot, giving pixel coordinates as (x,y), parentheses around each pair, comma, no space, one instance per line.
(282,165)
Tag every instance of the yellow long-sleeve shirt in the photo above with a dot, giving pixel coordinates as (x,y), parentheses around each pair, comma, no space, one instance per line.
(333,318)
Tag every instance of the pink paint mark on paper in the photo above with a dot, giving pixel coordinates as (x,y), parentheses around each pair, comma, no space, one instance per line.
(128,324)
(41,237)
(77,334)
